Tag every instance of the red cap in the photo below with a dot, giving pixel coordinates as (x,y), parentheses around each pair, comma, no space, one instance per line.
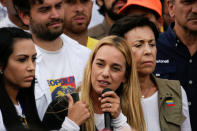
(154,5)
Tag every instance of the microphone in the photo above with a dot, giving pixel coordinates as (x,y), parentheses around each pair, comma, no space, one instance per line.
(107,115)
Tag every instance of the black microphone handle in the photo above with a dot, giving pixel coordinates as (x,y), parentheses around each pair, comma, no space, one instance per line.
(107,115)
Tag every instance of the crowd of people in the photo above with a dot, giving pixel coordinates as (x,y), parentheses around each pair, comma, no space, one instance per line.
(133,72)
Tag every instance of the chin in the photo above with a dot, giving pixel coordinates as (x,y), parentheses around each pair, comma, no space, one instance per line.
(98,90)
(57,30)
(26,85)
(148,72)
(144,73)
(79,30)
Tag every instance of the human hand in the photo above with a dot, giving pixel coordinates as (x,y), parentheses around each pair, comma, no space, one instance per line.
(110,102)
(77,112)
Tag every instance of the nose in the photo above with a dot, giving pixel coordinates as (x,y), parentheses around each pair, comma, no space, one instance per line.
(105,72)
(54,13)
(31,66)
(79,7)
(147,49)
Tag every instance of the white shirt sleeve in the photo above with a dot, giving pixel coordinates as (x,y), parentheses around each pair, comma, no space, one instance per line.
(186,126)
(2,127)
(120,123)
(69,125)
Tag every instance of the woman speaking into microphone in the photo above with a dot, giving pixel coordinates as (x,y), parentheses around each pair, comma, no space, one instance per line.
(111,65)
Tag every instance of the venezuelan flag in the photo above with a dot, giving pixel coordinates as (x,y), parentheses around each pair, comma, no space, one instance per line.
(170,102)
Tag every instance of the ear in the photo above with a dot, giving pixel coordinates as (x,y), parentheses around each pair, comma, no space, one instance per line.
(3,2)
(171,8)
(100,2)
(24,17)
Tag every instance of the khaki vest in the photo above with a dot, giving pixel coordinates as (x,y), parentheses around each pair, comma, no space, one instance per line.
(170,116)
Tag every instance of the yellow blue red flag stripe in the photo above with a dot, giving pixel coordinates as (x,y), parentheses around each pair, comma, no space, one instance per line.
(170,102)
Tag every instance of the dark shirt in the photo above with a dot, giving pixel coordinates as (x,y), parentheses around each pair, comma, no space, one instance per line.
(175,62)
(99,31)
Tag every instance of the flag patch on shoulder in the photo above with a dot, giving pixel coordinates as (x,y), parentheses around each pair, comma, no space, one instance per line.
(170,102)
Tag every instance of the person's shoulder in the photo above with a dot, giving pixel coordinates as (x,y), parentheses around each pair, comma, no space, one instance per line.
(2,127)
(91,42)
(73,46)
(167,81)
(92,39)
(167,37)
(4,22)
(97,31)
(96,27)
(164,84)
(163,38)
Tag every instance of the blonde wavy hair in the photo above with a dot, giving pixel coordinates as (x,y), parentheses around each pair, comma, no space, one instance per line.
(129,91)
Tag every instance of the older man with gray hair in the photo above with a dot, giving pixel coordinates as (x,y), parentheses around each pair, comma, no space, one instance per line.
(177,51)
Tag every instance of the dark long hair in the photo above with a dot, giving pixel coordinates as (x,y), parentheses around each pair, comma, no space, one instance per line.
(8,37)
(27,101)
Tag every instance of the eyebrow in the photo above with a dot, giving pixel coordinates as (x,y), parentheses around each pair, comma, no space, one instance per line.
(74,1)
(141,40)
(34,54)
(187,0)
(59,3)
(45,5)
(99,59)
(19,55)
(114,64)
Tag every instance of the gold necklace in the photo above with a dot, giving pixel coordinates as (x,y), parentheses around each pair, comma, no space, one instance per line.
(143,96)
(147,90)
